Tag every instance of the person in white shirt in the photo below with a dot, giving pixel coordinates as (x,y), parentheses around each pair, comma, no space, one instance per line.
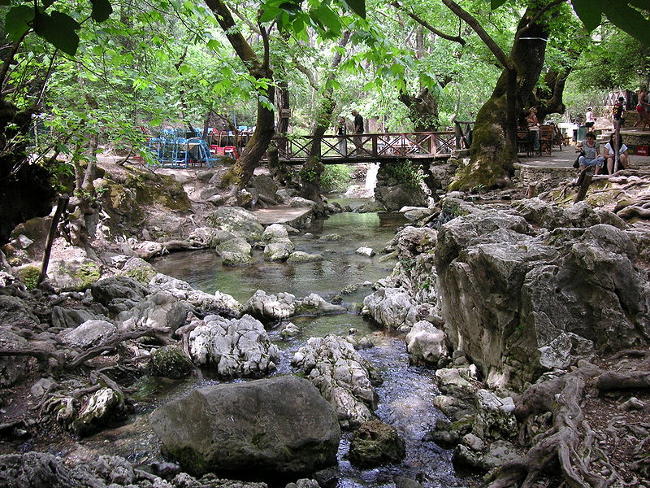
(609,154)
(590,120)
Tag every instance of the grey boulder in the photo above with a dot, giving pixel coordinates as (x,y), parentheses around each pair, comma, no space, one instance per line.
(277,426)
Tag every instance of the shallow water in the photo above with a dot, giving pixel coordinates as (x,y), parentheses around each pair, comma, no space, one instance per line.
(406,394)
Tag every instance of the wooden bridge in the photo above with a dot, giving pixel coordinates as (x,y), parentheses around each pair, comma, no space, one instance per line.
(378,148)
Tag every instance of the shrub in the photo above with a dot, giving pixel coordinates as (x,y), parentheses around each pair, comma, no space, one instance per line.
(336,177)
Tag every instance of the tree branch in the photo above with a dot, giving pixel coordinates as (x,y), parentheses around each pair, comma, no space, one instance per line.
(428,26)
(478,28)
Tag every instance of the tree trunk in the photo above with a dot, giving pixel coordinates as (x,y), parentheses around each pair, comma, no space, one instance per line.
(313,169)
(494,149)
(423,110)
(260,69)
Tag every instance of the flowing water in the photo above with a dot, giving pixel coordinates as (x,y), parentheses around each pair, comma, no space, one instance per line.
(406,395)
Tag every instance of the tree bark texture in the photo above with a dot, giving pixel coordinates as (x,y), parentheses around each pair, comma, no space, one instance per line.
(494,149)
(260,69)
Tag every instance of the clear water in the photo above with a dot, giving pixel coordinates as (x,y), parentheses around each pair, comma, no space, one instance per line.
(406,395)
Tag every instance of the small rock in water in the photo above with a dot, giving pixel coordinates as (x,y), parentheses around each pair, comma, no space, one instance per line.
(330,237)
(366,251)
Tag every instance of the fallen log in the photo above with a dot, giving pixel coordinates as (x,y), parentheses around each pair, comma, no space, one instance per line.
(612,381)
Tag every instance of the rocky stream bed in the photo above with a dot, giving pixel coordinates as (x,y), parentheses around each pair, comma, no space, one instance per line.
(480,340)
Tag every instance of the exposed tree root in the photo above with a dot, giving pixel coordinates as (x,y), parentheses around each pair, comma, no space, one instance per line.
(611,380)
(569,442)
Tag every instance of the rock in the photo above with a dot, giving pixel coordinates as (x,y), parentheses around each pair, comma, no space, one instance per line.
(289,330)
(341,375)
(139,270)
(390,307)
(303,483)
(366,251)
(276,426)
(301,202)
(416,213)
(315,304)
(426,343)
(499,453)
(274,232)
(284,194)
(265,187)
(269,308)
(473,442)
(235,251)
(394,192)
(90,333)
(170,362)
(158,310)
(42,387)
(534,288)
(102,407)
(238,221)
(71,317)
(209,237)
(303,257)
(495,419)
(235,347)
(73,274)
(203,303)
(330,237)
(403,482)
(278,250)
(375,443)
(12,369)
(15,311)
(118,292)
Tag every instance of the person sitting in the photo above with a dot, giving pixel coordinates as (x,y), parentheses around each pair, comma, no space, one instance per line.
(610,153)
(533,125)
(590,156)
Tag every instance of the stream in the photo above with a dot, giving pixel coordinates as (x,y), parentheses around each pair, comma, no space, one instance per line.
(407,393)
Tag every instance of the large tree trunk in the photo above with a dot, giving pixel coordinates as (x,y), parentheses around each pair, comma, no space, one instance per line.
(242,170)
(494,148)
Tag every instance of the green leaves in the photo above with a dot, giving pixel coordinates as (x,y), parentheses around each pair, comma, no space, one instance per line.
(58,29)
(629,20)
(18,20)
(101,10)
(495,4)
(589,11)
(357,6)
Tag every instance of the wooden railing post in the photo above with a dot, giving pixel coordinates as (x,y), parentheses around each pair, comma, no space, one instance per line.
(375,152)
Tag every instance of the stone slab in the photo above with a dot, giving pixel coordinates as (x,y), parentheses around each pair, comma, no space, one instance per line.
(283,214)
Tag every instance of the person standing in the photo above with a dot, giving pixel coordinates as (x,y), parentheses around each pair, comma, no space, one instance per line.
(341,131)
(590,120)
(358,129)
(643,108)
(618,112)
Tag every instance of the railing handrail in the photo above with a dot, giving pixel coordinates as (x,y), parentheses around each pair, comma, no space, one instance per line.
(363,134)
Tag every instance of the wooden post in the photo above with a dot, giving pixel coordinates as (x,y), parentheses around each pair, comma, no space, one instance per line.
(584,180)
(61,206)
(374,145)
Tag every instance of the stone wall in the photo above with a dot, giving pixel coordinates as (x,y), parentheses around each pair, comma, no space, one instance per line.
(543,177)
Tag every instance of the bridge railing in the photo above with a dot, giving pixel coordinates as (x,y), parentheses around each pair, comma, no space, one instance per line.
(370,146)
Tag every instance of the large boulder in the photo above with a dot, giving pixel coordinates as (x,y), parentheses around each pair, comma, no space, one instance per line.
(71,317)
(118,293)
(170,362)
(512,294)
(158,310)
(426,343)
(12,369)
(103,407)
(235,347)
(391,307)
(90,333)
(278,249)
(375,443)
(15,311)
(203,303)
(238,221)
(276,426)
(269,308)
(274,232)
(341,375)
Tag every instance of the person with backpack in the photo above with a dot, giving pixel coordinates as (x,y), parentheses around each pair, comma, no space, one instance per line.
(618,112)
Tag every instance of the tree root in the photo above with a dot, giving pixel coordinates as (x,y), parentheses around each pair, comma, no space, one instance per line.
(611,381)
(569,441)
(115,340)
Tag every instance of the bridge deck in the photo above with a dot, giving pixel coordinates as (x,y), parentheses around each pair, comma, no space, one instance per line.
(367,148)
